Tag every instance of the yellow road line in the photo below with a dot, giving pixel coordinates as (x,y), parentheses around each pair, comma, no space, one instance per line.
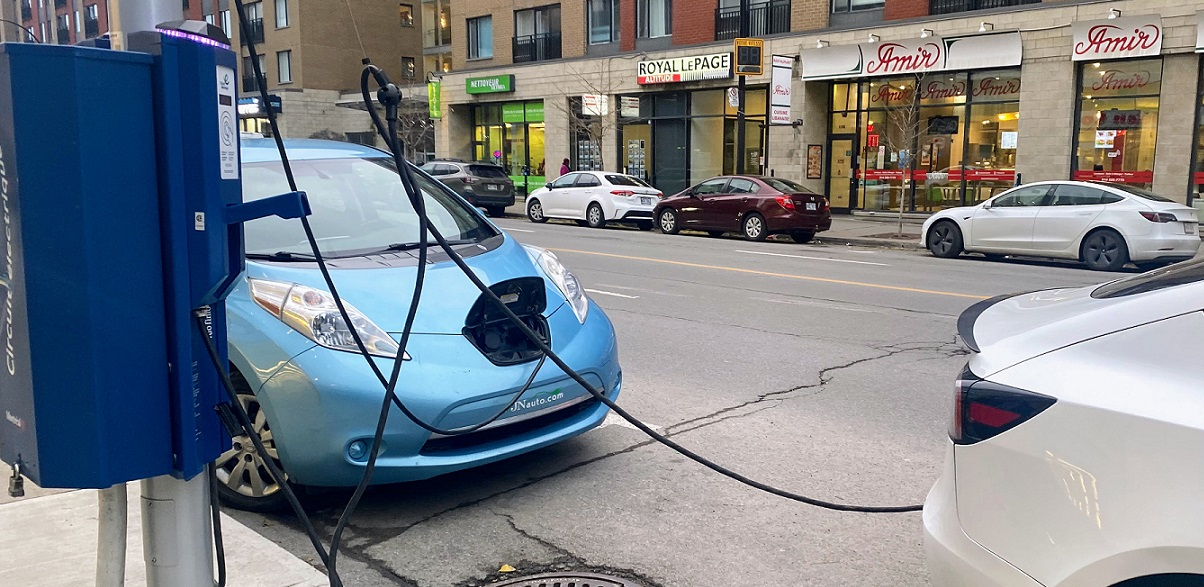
(785,275)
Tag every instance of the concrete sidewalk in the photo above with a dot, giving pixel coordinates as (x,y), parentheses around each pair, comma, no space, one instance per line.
(48,539)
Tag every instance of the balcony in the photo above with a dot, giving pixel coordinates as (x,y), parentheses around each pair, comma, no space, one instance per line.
(91,27)
(26,12)
(952,6)
(538,47)
(256,27)
(64,36)
(764,18)
(60,3)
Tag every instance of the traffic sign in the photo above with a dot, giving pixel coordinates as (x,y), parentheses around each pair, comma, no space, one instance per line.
(750,56)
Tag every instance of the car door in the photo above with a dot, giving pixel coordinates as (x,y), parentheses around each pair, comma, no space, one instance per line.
(556,199)
(726,210)
(1072,210)
(1005,223)
(696,213)
(584,191)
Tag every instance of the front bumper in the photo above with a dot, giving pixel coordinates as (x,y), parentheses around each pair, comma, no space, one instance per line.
(954,559)
(322,401)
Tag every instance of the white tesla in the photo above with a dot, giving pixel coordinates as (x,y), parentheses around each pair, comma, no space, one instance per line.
(593,198)
(1076,452)
(1103,225)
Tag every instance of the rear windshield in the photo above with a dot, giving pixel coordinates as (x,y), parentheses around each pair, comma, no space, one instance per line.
(626,180)
(1138,192)
(785,185)
(1177,274)
(491,171)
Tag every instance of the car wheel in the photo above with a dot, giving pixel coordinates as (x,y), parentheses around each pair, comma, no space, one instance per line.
(594,216)
(535,211)
(804,236)
(1105,250)
(668,221)
(244,481)
(644,225)
(754,227)
(945,240)
(581,223)
(715,233)
(496,211)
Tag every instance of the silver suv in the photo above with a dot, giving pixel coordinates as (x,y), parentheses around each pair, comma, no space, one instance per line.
(482,184)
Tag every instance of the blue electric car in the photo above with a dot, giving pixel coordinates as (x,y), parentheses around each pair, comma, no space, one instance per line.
(311,394)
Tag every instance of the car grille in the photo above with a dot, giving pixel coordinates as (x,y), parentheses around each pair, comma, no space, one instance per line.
(487,436)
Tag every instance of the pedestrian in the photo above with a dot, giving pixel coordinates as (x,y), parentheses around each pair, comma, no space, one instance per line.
(564,167)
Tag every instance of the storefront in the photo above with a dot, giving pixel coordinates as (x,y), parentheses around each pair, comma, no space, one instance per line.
(510,134)
(1119,83)
(921,124)
(253,113)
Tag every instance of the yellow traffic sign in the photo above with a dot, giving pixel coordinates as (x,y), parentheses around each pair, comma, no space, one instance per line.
(750,56)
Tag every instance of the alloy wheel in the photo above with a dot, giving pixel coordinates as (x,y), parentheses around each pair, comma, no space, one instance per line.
(242,469)
(535,211)
(668,222)
(1105,251)
(942,240)
(754,227)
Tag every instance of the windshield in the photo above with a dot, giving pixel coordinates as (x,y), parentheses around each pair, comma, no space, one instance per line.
(488,171)
(1137,192)
(785,185)
(626,180)
(358,205)
(1177,274)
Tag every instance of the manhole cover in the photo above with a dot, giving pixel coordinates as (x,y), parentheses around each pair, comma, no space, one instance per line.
(569,580)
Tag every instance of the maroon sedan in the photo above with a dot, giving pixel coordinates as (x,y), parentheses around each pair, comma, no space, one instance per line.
(756,206)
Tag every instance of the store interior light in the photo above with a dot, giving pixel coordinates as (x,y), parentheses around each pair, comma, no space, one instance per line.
(925,33)
(986,26)
(1113,13)
(1095,65)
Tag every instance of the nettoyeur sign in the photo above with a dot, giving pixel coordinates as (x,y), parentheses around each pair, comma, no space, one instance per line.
(494,84)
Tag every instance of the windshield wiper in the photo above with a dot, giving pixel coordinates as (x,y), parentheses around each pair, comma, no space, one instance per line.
(414,245)
(281,256)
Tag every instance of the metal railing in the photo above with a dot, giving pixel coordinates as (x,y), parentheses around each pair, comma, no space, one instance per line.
(764,18)
(64,36)
(91,27)
(256,27)
(538,47)
(951,6)
(60,3)
(26,12)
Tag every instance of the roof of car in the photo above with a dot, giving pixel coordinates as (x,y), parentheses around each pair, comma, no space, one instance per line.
(262,150)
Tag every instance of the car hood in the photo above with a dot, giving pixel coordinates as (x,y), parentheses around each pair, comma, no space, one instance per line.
(383,294)
(1010,329)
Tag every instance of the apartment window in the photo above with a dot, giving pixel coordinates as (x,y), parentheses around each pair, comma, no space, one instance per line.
(91,21)
(856,5)
(79,24)
(654,18)
(281,13)
(284,66)
(480,37)
(952,6)
(249,80)
(408,68)
(210,19)
(225,14)
(603,21)
(63,22)
(407,15)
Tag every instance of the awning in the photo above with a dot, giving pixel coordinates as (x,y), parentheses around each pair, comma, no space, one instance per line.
(908,56)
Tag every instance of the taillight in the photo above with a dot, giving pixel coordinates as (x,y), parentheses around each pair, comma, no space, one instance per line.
(983,409)
(469,179)
(1159,217)
(623,193)
(785,202)
(827,205)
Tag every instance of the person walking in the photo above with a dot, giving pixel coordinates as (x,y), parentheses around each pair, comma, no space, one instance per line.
(564,167)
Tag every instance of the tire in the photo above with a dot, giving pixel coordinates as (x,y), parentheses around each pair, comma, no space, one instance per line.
(595,217)
(644,225)
(535,212)
(1104,250)
(945,240)
(243,480)
(754,228)
(667,221)
(802,236)
(715,233)
(581,223)
(496,211)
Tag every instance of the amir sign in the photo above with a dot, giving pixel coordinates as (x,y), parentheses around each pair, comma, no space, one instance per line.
(1117,38)
(684,69)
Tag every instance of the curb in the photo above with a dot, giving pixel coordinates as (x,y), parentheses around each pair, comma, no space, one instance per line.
(908,245)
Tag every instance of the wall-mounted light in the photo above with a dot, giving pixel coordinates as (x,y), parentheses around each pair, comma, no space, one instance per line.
(925,33)
(874,38)
(986,26)
(1113,13)
(820,44)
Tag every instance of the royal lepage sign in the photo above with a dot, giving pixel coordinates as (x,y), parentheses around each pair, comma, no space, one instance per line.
(684,69)
(1117,38)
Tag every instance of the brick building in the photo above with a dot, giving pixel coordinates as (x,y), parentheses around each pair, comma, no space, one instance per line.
(65,22)
(922,104)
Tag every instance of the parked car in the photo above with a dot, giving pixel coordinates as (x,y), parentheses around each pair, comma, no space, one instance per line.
(755,206)
(481,184)
(310,392)
(1103,225)
(593,198)
(1076,451)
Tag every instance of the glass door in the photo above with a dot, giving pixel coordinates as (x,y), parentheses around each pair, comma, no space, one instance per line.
(842,182)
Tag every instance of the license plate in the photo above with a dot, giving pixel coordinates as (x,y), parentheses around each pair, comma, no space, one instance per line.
(493,187)
(812,206)
(1190,228)
(645,201)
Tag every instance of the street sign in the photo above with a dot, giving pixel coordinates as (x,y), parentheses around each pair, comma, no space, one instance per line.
(733,97)
(750,57)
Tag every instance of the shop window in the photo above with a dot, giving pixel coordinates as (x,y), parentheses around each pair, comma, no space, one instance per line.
(1196,196)
(480,37)
(512,135)
(1117,126)
(654,18)
(603,21)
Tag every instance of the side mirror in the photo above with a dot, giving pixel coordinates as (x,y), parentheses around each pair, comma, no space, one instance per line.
(549,186)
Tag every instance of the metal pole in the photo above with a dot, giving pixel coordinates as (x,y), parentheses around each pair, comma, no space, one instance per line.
(177,532)
(740,138)
(112,523)
(131,16)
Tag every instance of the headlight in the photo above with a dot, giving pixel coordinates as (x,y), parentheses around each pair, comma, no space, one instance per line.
(564,279)
(312,312)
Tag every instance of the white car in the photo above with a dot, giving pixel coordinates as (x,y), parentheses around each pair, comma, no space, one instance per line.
(593,198)
(1076,453)
(1103,225)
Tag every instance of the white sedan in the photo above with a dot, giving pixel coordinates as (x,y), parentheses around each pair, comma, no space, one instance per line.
(1103,225)
(1076,451)
(593,198)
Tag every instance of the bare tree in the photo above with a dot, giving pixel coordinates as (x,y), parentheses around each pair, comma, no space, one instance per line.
(903,131)
(415,129)
(592,128)
(328,135)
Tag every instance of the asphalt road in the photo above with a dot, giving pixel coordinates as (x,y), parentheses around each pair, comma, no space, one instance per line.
(823,370)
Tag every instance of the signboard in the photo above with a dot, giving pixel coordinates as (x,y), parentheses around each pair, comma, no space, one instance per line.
(750,56)
(983,51)
(513,112)
(1116,38)
(779,89)
(1119,119)
(494,84)
(434,98)
(629,106)
(252,106)
(872,141)
(1008,139)
(595,105)
(1146,176)
(815,161)
(534,111)
(1105,139)
(733,97)
(684,69)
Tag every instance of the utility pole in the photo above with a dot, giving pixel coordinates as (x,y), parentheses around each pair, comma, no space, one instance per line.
(744,32)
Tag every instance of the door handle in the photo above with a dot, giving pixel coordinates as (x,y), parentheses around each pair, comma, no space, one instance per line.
(743,199)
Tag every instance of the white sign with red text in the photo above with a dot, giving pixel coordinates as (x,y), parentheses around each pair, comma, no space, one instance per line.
(779,90)
(1116,38)
(911,56)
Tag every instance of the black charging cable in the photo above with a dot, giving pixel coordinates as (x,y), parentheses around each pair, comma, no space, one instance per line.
(215,508)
